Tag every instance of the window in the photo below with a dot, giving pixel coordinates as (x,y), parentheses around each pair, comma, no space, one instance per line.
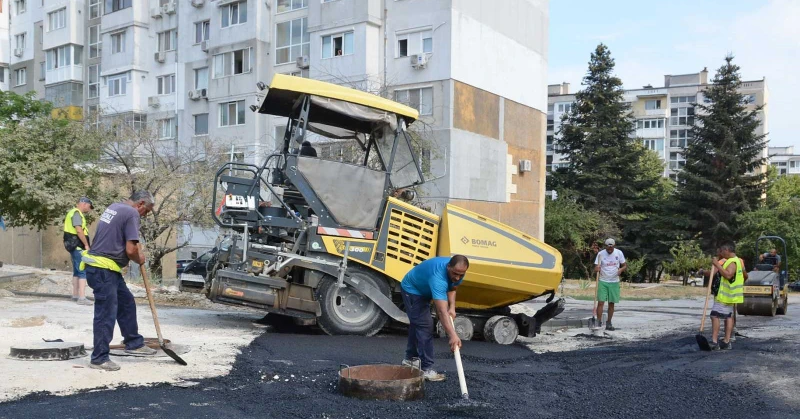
(549,143)
(166,128)
(42,66)
(289,5)
(201,78)
(117,5)
(292,40)
(94,81)
(232,63)
(20,40)
(419,99)
(21,76)
(166,84)
(402,47)
(550,123)
(234,14)
(201,124)
(656,145)
(231,113)
(117,84)
(427,45)
(93,116)
(681,116)
(676,161)
(167,40)
(682,99)
(679,137)
(649,123)
(56,19)
(793,164)
(117,42)
(564,107)
(748,99)
(652,104)
(202,30)
(94,9)
(337,45)
(22,6)
(63,56)
(95,46)
(2,71)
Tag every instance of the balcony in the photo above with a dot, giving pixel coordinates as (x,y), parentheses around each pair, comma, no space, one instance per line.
(67,73)
(656,112)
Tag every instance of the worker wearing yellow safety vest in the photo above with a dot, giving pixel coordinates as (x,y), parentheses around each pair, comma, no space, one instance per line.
(731,291)
(115,244)
(76,240)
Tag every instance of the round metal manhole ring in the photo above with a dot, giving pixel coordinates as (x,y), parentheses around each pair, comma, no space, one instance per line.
(382,382)
(48,351)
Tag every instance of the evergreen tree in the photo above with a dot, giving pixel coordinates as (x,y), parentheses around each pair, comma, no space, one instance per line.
(724,175)
(604,168)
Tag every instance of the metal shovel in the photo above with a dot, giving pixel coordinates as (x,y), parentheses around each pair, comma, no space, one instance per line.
(701,340)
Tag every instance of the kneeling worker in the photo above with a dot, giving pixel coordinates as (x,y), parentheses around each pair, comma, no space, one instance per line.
(435,279)
(115,244)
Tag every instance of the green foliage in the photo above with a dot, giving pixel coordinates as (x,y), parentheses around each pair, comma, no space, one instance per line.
(43,162)
(606,165)
(635,267)
(722,178)
(573,230)
(778,216)
(686,256)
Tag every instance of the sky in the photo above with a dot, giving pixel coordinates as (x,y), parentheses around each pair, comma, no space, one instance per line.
(649,39)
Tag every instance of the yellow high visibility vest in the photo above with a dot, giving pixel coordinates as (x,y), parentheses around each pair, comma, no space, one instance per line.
(98,262)
(69,228)
(732,292)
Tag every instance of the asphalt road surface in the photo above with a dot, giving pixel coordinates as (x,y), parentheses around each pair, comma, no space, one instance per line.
(294,375)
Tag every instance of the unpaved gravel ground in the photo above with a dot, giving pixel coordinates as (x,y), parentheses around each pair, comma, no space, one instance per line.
(294,375)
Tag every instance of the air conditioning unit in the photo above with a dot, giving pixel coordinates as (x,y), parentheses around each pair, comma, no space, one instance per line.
(204,46)
(193,95)
(198,94)
(198,3)
(419,60)
(160,56)
(153,101)
(302,62)
(168,8)
(155,13)
(203,93)
(524,165)
(18,52)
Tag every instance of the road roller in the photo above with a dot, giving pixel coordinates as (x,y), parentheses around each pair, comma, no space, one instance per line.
(766,291)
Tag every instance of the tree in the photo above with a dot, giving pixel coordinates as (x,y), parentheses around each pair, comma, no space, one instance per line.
(574,231)
(43,162)
(181,177)
(686,257)
(723,176)
(778,216)
(605,163)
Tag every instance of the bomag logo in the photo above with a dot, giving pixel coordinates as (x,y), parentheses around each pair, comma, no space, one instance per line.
(479,242)
(339,244)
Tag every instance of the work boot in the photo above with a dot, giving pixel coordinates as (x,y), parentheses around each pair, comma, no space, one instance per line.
(105,366)
(726,346)
(714,346)
(84,302)
(609,327)
(432,375)
(413,363)
(142,350)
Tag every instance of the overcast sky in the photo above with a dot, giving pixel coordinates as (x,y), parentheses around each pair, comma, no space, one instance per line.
(649,39)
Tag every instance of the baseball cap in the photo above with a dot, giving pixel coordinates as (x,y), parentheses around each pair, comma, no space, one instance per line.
(87,200)
(610,242)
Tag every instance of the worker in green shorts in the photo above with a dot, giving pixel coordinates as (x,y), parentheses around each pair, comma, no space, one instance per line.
(611,264)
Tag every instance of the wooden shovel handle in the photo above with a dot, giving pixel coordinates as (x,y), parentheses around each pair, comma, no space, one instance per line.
(150,300)
(708,294)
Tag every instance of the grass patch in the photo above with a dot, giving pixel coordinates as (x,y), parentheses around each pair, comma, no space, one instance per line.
(578,290)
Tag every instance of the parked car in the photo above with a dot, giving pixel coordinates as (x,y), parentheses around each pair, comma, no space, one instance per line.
(198,266)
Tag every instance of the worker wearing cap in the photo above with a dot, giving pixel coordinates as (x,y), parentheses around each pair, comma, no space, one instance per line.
(76,240)
(435,279)
(610,263)
(115,244)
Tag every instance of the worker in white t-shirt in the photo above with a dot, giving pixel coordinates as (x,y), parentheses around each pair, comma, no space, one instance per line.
(611,264)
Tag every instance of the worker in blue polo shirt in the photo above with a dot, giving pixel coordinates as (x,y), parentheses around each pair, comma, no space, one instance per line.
(435,279)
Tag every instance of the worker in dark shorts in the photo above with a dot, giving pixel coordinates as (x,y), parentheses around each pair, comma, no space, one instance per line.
(115,244)
(76,240)
(435,279)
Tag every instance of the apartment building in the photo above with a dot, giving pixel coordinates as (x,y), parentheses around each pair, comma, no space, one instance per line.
(188,70)
(5,44)
(664,115)
(784,160)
